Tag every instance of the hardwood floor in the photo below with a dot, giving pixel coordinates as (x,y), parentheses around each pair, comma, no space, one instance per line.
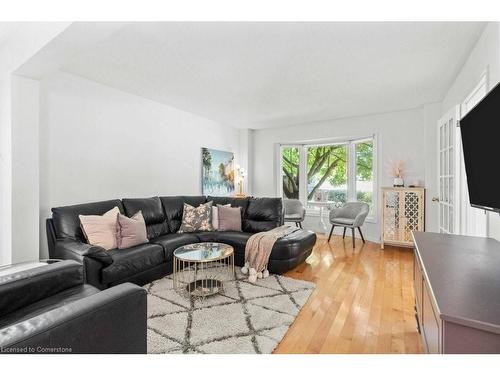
(363,301)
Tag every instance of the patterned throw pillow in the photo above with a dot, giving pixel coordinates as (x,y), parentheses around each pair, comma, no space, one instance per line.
(197,219)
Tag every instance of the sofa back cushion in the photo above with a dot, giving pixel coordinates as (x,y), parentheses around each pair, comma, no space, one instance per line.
(66,220)
(234,202)
(263,214)
(174,207)
(152,211)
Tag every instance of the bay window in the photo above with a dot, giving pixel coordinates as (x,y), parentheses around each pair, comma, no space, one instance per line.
(290,172)
(328,174)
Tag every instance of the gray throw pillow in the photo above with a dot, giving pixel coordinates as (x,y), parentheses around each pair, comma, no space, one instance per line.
(229,218)
(197,219)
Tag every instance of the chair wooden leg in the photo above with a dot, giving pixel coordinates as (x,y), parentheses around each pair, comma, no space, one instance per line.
(353,240)
(343,236)
(331,231)
(297,224)
(300,225)
(361,234)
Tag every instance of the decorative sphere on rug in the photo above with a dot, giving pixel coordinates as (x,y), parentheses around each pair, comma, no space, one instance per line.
(252,278)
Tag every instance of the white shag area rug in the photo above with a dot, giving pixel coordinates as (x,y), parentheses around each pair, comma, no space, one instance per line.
(245,318)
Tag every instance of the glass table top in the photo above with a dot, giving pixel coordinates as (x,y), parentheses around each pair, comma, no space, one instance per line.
(203,252)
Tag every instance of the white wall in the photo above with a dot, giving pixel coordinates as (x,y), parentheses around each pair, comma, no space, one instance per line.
(25,40)
(98,143)
(484,56)
(245,159)
(25,167)
(400,135)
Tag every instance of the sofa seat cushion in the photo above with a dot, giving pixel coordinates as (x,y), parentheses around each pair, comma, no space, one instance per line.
(47,304)
(238,240)
(293,245)
(288,247)
(172,241)
(207,236)
(127,262)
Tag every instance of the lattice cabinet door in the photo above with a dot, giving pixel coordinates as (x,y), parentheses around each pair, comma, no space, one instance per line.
(402,213)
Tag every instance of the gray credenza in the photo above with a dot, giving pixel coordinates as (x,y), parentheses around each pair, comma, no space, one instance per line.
(457,293)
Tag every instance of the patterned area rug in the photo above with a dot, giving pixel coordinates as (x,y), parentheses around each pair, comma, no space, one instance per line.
(246,318)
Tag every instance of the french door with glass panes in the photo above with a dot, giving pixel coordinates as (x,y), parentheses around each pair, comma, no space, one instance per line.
(456,215)
(448,192)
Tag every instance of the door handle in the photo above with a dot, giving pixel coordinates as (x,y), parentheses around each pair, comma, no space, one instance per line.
(435,199)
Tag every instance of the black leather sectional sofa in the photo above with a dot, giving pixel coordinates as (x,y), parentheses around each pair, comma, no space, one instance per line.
(163,215)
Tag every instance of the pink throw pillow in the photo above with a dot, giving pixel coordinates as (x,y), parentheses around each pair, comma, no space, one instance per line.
(101,230)
(215,216)
(229,218)
(132,230)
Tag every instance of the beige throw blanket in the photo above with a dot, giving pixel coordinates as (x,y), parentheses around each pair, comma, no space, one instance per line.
(258,249)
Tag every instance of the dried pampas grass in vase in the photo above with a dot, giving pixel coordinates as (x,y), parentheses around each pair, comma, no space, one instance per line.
(396,169)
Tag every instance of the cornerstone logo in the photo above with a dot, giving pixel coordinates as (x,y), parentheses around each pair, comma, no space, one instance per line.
(34,350)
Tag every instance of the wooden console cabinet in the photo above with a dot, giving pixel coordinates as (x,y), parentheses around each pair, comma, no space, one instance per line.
(402,212)
(457,293)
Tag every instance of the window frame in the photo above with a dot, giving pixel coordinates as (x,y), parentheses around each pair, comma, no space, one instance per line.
(351,169)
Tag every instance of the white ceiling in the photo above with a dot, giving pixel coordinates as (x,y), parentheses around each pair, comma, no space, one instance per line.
(260,75)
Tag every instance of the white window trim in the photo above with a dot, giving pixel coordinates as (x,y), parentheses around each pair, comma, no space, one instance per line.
(351,183)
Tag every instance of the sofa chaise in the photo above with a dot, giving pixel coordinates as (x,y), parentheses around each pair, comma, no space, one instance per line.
(163,216)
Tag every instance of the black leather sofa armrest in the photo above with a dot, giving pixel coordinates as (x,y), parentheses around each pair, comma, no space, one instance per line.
(71,249)
(111,321)
(29,286)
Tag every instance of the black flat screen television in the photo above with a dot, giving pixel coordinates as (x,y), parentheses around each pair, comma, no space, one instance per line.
(480,130)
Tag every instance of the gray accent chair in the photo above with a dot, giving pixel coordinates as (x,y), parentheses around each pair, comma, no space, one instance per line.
(351,215)
(294,211)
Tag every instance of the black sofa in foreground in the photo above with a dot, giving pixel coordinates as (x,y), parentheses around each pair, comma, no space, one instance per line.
(163,215)
(49,309)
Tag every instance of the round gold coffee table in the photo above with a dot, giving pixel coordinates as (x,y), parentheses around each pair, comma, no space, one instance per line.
(200,269)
